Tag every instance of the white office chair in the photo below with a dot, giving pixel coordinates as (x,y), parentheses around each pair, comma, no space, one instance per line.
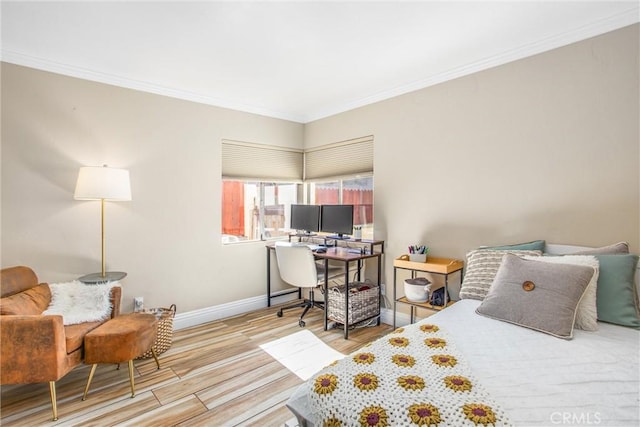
(298,268)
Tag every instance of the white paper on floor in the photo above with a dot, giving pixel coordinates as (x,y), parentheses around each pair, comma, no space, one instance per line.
(302,353)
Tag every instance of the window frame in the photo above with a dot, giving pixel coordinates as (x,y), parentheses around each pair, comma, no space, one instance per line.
(303,195)
(265,165)
(261,187)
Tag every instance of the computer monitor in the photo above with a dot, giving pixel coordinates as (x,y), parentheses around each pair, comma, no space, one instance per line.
(336,219)
(305,218)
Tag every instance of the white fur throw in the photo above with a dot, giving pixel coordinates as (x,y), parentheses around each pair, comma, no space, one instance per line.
(78,302)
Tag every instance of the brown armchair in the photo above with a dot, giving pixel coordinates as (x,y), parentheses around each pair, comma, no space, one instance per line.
(37,348)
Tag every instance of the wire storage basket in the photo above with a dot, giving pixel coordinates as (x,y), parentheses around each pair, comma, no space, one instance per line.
(164,337)
(363,302)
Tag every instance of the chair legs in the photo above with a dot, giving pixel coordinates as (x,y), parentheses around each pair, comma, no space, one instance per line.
(54,405)
(133,386)
(307,304)
(131,381)
(93,370)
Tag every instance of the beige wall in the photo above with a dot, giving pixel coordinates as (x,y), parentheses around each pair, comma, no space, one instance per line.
(168,237)
(542,148)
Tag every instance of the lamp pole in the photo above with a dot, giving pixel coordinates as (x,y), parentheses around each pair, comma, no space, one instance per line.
(104,270)
(104,184)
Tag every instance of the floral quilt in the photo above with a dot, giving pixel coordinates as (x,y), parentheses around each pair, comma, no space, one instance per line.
(414,376)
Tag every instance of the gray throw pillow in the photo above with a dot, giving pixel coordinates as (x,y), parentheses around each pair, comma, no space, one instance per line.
(537,295)
(587,314)
(616,248)
(482,266)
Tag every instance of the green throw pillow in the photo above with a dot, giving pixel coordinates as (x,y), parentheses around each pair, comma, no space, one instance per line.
(616,293)
(536,245)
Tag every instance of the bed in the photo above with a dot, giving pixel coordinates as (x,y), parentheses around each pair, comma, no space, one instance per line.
(524,376)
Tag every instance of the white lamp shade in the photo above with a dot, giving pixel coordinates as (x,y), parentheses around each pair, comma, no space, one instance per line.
(102,182)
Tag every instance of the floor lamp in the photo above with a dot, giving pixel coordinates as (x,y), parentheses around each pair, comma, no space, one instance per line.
(104,184)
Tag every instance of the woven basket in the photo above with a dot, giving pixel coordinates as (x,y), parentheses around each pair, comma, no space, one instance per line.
(363,302)
(164,337)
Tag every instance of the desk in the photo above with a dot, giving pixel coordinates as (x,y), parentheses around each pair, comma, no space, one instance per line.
(326,240)
(339,254)
(368,245)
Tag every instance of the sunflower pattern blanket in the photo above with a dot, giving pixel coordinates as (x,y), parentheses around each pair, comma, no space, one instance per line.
(412,377)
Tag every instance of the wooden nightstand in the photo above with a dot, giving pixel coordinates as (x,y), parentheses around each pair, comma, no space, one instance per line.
(440,266)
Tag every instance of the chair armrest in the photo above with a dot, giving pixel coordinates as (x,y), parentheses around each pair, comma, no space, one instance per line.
(33,349)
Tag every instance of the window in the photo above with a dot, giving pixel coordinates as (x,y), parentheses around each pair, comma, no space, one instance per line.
(351,191)
(261,182)
(352,161)
(256,210)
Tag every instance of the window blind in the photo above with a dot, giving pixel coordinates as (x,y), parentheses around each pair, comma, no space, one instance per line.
(351,157)
(243,160)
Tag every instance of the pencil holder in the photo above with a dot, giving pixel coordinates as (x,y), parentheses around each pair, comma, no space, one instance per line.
(418,257)
(418,253)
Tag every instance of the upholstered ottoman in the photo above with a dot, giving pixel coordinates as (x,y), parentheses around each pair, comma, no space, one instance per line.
(121,339)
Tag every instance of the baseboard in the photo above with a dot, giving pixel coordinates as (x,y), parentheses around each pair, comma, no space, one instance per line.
(402,319)
(217,312)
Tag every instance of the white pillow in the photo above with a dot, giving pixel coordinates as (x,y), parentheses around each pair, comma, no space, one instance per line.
(587,315)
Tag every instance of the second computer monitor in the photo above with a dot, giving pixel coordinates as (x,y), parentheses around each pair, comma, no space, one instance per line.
(336,219)
(305,218)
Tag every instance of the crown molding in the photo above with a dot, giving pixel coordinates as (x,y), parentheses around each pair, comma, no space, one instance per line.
(623,19)
(43,64)
(596,28)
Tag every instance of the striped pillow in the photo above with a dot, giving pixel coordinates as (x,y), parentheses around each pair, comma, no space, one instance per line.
(482,266)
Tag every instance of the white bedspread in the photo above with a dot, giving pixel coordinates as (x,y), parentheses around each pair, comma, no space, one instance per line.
(541,380)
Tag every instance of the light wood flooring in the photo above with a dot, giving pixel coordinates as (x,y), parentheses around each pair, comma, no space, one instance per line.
(214,374)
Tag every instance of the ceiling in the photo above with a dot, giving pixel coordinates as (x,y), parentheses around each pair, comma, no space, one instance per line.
(295,60)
